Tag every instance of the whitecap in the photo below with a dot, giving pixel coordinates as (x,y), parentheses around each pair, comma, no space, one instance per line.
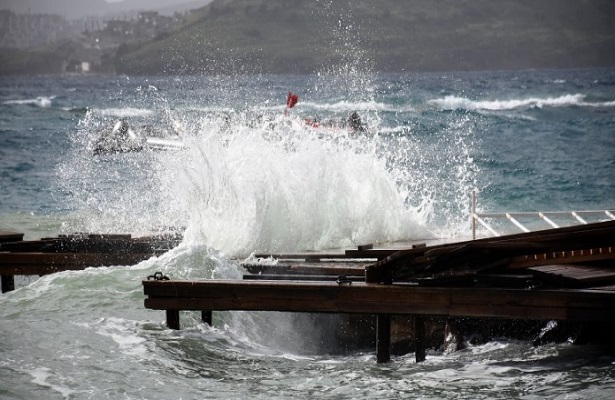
(42,375)
(454,102)
(41,101)
(125,112)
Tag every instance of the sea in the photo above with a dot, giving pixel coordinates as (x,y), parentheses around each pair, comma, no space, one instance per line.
(252,175)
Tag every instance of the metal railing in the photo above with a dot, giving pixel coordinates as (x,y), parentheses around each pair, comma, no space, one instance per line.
(551,218)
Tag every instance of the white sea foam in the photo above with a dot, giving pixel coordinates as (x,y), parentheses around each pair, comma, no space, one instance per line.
(455,102)
(41,101)
(124,333)
(42,376)
(125,112)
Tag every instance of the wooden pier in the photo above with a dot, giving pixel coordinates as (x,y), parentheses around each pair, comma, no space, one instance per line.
(564,274)
(74,252)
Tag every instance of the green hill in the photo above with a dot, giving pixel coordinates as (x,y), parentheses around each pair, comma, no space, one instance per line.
(295,36)
(306,36)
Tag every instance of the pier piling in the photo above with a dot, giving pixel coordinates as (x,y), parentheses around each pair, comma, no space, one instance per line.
(383,338)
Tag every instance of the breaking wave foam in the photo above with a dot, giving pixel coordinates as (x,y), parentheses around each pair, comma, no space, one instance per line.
(41,101)
(125,112)
(454,102)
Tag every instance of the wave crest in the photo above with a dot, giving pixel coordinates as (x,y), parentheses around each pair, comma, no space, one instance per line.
(567,100)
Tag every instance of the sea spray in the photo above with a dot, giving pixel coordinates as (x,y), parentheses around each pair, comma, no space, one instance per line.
(255,179)
(289,187)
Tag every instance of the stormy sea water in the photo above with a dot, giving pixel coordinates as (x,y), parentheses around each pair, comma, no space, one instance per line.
(251,177)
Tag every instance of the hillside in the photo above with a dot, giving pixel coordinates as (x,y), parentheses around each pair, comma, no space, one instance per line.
(73,10)
(294,36)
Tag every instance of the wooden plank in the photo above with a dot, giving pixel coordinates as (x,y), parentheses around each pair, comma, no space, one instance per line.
(377,254)
(46,263)
(444,256)
(561,257)
(369,254)
(92,244)
(10,236)
(336,268)
(366,298)
(576,275)
(314,256)
(107,236)
(28,245)
(298,277)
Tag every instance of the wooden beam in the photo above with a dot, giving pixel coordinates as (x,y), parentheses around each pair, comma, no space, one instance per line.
(8,283)
(10,236)
(367,298)
(489,252)
(564,257)
(383,338)
(313,256)
(46,263)
(173,319)
(206,317)
(419,338)
(309,268)
(308,277)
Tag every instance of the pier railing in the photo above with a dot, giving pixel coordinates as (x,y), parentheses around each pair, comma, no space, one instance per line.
(536,220)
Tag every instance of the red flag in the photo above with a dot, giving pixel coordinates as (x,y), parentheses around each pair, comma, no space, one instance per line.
(291,100)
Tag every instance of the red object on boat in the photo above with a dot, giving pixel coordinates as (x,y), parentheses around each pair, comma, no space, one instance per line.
(291,100)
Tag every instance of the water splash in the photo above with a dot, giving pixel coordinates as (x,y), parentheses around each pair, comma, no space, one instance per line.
(282,186)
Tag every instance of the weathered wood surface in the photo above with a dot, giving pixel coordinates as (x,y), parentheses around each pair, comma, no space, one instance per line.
(514,261)
(310,268)
(311,256)
(363,252)
(75,252)
(507,277)
(563,257)
(306,277)
(7,281)
(47,263)
(10,236)
(369,298)
(591,242)
(93,243)
(576,275)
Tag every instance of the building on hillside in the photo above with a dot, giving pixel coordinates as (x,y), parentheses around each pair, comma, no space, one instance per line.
(31,30)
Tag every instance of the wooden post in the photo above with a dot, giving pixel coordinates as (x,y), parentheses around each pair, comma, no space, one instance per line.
(419,338)
(173,319)
(8,283)
(206,317)
(383,338)
(474,215)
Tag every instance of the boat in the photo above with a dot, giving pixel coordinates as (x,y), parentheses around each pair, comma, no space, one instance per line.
(123,138)
(353,123)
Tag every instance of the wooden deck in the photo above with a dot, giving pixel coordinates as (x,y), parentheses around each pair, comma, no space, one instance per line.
(73,252)
(565,274)
(373,298)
